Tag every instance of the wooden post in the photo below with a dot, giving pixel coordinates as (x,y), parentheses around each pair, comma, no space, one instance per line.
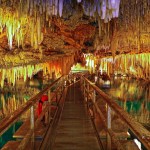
(81,84)
(94,100)
(84,90)
(88,90)
(32,125)
(109,127)
(49,102)
(94,96)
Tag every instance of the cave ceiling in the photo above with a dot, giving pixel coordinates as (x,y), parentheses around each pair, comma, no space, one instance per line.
(38,30)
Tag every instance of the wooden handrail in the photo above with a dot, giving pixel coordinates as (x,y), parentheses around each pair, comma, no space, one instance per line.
(9,120)
(111,133)
(140,132)
(47,140)
(104,122)
(30,133)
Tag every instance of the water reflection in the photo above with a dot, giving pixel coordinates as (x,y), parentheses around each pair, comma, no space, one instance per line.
(11,98)
(132,95)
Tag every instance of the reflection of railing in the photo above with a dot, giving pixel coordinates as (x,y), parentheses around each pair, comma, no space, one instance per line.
(30,105)
(93,96)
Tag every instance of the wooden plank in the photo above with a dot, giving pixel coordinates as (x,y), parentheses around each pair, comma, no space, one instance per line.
(23,130)
(49,135)
(140,132)
(12,118)
(119,135)
(13,145)
(39,131)
(75,130)
(127,145)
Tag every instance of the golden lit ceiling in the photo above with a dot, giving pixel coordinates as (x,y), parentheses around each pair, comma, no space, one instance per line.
(39,30)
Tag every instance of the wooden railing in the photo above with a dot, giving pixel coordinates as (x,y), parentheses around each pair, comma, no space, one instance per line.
(30,105)
(91,92)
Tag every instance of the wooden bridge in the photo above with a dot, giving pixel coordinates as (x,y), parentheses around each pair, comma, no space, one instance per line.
(78,116)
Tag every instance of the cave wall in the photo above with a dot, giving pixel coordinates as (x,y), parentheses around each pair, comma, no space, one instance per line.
(129,33)
(58,66)
(133,65)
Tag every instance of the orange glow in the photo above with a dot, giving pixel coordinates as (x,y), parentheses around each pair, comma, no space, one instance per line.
(59,67)
(13,74)
(136,65)
(17,26)
(90,62)
(78,67)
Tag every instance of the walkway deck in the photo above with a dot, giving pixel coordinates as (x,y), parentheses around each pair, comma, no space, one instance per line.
(75,130)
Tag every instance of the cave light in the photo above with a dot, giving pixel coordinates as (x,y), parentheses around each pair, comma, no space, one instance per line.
(14,74)
(79,1)
(28,18)
(138,144)
(27,71)
(137,64)
(90,62)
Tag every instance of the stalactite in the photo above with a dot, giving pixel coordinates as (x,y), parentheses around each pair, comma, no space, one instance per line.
(90,62)
(18,23)
(79,1)
(24,72)
(60,7)
(99,26)
(30,17)
(136,65)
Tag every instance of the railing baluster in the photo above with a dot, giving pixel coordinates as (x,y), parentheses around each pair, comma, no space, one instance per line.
(32,117)
(109,127)
(94,100)
(81,84)
(29,105)
(88,91)
(84,91)
(94,96)
(49,103)
(138,130)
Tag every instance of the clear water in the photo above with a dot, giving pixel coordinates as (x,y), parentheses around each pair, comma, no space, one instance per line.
(8,135)
(133,96)
(10,100)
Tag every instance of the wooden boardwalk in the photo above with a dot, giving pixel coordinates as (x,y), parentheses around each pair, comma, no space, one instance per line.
(75,130)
